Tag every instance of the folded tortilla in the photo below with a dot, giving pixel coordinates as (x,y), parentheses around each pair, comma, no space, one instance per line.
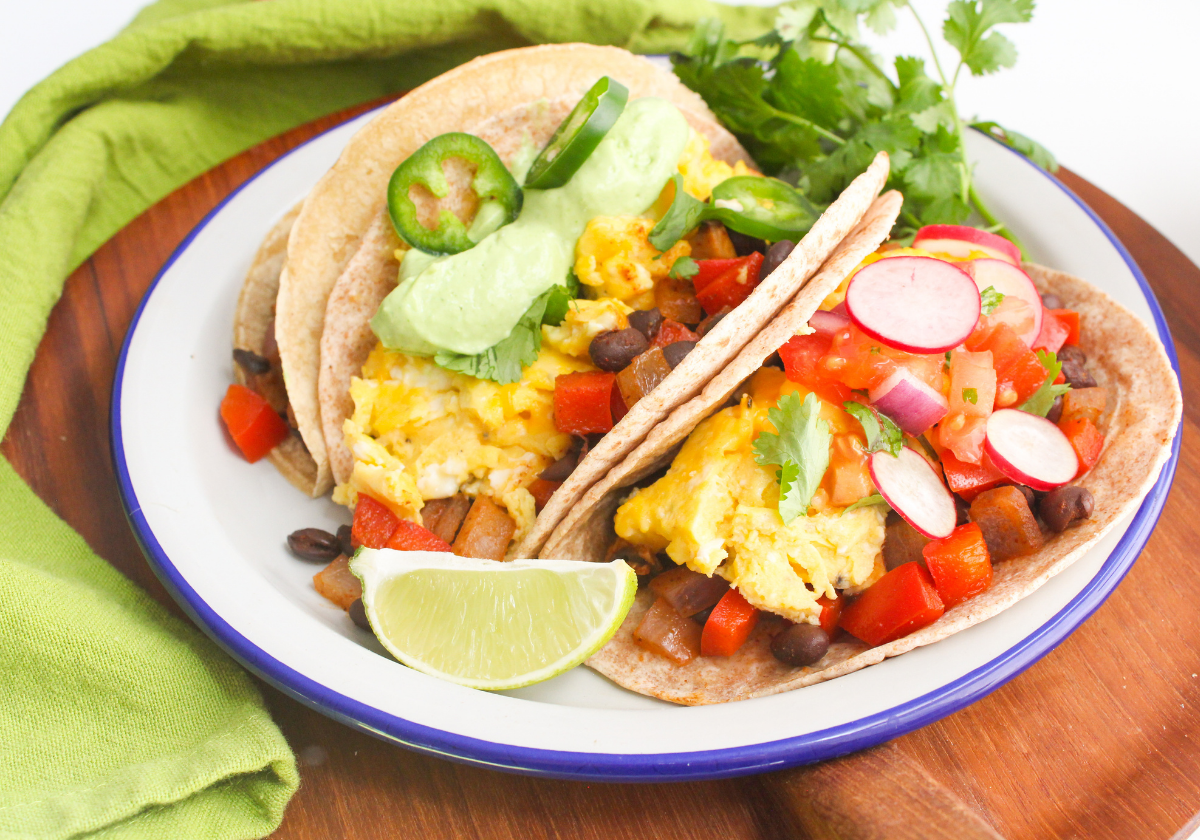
(1141,420)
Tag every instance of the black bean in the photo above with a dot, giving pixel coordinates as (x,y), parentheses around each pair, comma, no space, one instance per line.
(345,540)
(646,321)
(962,511)
(701,617)
(1065,505)
(314,544)
(1076,375)
(358,614)
(674,353)
(250,361)
(800,644)
(561,469)
(1055,411)
(776,254)
(744,244)
(1052,301)
(1071,352)
(705,326)
(615,350)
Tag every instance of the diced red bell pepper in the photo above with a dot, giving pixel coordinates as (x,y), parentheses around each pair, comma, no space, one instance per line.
(729,624)
(252,423)
(672,331)
(1086,440)
(831,613)
(710,270)
(374,522)
(1053,334)
(801,356)
(1018,371)
(959,564)
(542,490)
(969,480)
(1071,318)
(901,602)
(409,536)
(733,286)
(583,402)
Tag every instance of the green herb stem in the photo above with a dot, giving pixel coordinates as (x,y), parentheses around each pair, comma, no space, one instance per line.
(861,55)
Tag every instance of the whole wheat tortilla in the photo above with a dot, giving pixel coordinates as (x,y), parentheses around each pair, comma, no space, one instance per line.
(1140,421)
(255,310)
(350,197)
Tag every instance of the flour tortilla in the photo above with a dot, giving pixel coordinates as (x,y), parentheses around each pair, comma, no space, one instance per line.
(350,198)
(1140,422)
(255,311)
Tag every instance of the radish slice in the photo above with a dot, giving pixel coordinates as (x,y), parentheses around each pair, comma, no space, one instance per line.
(917,304)
(1029,449)
(828,323)
(960,241)
(912,404)
(1021,308)
(915,491)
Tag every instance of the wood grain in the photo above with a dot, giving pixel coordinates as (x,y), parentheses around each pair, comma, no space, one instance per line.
(1094,741)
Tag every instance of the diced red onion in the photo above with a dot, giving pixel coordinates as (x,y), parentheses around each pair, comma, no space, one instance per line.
(912,404)
(828,323)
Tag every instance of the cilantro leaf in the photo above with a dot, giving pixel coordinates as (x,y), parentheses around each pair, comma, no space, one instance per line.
(966,29)
(873,499)
(1043,398)
(504,361)
(917,92)
(1032,149)
(800,450)
(684,268)
(882,432)
(989,299)
(684,214)
(970,395)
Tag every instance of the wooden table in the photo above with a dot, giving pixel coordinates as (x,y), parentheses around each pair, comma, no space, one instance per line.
(1094,741)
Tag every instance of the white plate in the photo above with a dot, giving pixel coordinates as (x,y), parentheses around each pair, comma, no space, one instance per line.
(213,527)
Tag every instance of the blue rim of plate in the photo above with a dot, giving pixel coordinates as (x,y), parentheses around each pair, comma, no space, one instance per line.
(651,767)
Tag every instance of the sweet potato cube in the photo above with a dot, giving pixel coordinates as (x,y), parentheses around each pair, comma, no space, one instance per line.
(337,583)
(486,531)
(1008,525)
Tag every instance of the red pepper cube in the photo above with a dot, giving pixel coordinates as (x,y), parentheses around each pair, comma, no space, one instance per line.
(542,490)
(901,602)
(831,613)
(374,523)
(1070,318)
(969,480)
(409,536)
(583,402)
(672,331)
(729,625)
(959,564)
(252,423)
(1054,332)
(709,270)
(733,286)
(1018,371)
(1086,440)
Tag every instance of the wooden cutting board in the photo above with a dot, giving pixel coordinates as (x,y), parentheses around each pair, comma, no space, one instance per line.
(1093,741)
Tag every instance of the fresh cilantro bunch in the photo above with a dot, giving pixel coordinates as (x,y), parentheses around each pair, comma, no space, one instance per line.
(814,105)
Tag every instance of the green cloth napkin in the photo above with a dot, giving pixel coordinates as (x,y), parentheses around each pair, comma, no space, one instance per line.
(116,719)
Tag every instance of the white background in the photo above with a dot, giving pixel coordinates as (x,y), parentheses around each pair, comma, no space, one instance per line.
(1111,87)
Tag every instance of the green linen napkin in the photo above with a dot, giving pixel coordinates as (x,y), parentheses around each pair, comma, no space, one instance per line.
(116,719)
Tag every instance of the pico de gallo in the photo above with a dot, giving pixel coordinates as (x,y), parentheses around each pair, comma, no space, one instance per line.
(928,426)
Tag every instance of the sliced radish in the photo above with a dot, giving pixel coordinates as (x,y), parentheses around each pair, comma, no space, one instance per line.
(918,304)
(828,323)
(1029,449)
(960,241)
(915,491)
(1021,308)
(912,404)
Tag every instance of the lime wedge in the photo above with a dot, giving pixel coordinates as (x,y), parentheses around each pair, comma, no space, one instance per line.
(491,625)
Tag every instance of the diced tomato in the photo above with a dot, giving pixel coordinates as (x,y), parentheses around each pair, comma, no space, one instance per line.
(959,564)
(1018,371)
(542,490)
(409,536)
(802,356)
(729,624)
(831,612)
(252,423)
(1071,318)
(1054,332)
(583,402)
(710,270)
(1086,440)
(672,331)
(972,395)
(901,602)
(969,480)
(861,362)
(374,523)
(733,286)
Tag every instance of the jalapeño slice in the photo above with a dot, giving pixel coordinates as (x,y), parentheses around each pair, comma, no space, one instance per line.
(765,208)
(578,135)
(499,194)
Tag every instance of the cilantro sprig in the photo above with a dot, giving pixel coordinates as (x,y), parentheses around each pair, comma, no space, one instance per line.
(989,299)
(882,432)
(814,104)
(800,450)
(1042,400)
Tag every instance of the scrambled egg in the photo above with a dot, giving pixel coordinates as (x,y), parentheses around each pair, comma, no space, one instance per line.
(585,320)
(614,259)
(422,432)
(701,172)
(716,510)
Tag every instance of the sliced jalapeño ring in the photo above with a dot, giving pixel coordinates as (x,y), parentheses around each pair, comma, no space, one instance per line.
(578,135)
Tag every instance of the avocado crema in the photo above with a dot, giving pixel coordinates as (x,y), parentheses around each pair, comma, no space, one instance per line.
(469,301)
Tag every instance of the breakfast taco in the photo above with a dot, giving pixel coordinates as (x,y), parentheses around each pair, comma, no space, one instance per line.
(501,287)
(921,438)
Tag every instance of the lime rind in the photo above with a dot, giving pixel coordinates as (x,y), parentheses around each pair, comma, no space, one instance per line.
(382,571)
